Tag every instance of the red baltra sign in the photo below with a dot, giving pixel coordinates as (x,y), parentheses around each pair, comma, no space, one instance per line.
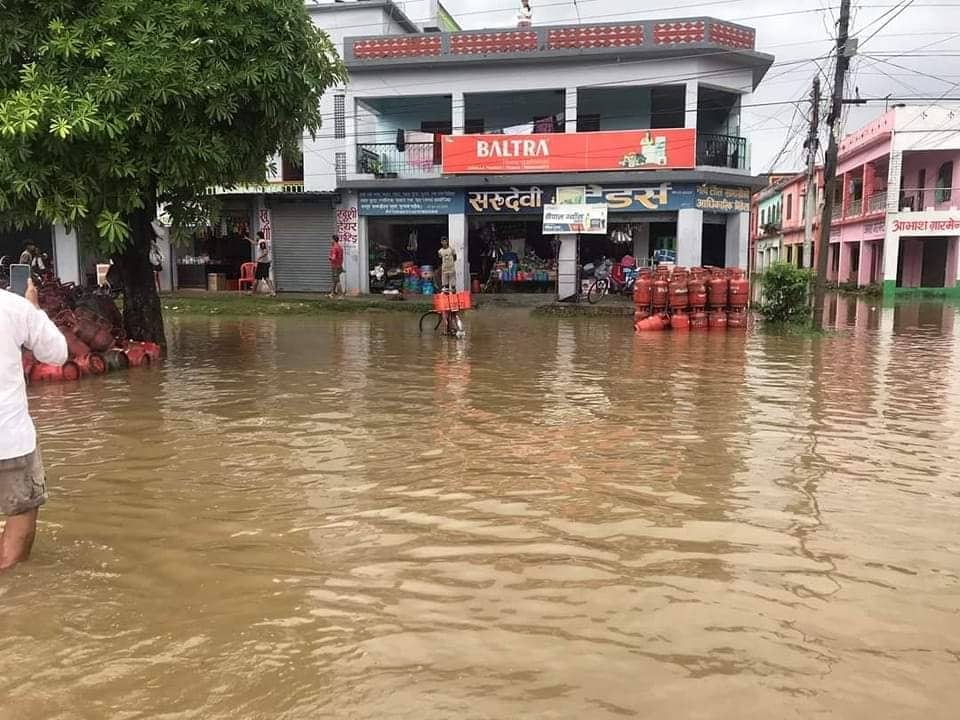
(570,152)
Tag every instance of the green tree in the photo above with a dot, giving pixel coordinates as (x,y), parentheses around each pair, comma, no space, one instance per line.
(109,107)
(786,294)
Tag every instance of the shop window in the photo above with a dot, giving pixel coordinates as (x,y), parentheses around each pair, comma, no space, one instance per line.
(588,123)
(473,126)
(945,182)
(789,206)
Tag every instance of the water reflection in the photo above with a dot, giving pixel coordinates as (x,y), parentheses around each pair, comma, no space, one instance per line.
(551,518)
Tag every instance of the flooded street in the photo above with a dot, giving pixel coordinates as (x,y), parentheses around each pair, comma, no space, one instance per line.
(338,518)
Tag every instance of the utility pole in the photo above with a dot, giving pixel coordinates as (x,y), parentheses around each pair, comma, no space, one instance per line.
(812,145)
(844,51)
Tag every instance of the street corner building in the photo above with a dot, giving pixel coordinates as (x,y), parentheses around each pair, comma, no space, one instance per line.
(474,135)
(895,221)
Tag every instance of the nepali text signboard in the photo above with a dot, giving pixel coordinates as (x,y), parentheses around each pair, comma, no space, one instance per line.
(926,223)
(570,152)
(410,202)
(723,199)
(509,201)
(569,219)
(643,198)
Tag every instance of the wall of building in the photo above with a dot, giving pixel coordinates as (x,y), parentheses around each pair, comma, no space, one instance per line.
(625,108)
(500,110)
(930,162)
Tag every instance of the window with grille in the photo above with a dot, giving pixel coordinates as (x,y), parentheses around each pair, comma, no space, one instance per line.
(339,116)
(944,182)
(341,167)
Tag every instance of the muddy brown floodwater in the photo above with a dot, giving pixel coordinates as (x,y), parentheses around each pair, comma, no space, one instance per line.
(338,518)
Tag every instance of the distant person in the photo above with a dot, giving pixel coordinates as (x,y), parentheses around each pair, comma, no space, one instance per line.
(26,257)
(264,259)
(156,261)
(336,267)
(448,265)
(23,487)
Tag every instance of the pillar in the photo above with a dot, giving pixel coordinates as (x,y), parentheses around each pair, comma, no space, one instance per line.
(869,182)
(953,259)
(457,235)
(641,242)
(571,110)
(66,254)
(843,274)
(568,271)
(350,141)
(689,237)
(738,240)
(867,249)
(691,103)
(352,230)
(458,111)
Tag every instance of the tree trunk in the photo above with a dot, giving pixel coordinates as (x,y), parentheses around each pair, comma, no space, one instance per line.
(142,313)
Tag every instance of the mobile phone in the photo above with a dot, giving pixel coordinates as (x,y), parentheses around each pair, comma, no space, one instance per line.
(19,278)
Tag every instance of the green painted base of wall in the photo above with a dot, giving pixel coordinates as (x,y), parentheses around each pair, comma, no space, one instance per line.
(891,290)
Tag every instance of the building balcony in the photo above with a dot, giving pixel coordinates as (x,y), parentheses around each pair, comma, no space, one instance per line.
(854,208)
(723,151)
(388,160)
(877,202)
(837,211)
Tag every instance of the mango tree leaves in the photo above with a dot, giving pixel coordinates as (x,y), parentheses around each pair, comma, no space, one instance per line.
(103,104)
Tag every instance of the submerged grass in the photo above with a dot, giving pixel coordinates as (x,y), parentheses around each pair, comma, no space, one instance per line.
(235,305)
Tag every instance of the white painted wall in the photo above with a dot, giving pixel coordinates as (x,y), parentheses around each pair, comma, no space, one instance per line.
(66,255)
(738,240)
(689,237)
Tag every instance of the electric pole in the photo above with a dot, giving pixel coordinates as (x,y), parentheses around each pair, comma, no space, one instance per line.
(812,145)
(844,51)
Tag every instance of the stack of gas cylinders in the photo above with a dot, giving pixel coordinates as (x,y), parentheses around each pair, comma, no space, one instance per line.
(96,341)
(695,299)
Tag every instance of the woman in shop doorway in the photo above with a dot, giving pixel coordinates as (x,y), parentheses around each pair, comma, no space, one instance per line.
(448,265)
(264,258)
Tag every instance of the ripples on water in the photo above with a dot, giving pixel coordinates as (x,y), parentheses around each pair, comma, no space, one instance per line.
(307,518)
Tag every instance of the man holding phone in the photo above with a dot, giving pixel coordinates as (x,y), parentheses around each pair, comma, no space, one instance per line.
(23,487)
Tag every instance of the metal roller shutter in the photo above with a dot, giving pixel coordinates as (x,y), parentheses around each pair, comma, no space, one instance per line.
(301,244)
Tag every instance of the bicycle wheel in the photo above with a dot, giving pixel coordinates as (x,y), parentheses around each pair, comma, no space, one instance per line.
(455,325)
(434,314)
(597,290)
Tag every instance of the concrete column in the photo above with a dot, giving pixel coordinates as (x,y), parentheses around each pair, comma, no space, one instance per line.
(689,237)
(690,104)
(66,254)
(844,271)
(353,236)
(641,242)
(891,254)
(350,141)
(738,239)
(869,182)
(953,262)
(568,270)
(845,202)
(458,111)
(571,110)
(457,234)
(867,250)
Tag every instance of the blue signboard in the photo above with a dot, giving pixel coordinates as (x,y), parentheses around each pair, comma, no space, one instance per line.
(410,202)
(644,198)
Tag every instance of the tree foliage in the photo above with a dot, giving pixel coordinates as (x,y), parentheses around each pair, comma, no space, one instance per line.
(109,105)
(786,294)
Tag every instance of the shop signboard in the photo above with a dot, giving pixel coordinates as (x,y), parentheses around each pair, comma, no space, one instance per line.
(643,198)
(410,202)
(874,230)
(568,219)
(926,224)
(723,199)
(570,152)
(509,201)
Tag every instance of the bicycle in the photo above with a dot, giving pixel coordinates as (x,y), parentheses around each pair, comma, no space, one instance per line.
(608,281)
(449,318)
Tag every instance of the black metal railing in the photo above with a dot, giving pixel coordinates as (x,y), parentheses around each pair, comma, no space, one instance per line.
(419,159)
(726,151)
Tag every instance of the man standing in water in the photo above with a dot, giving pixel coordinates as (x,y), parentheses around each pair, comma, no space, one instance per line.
(23,487)
(448,266)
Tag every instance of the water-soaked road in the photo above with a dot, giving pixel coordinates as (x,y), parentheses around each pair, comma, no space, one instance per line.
(313,518)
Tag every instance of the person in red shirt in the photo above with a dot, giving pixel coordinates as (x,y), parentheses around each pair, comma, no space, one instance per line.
(336,266)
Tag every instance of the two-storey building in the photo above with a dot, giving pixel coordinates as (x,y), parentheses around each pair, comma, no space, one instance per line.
(469,134)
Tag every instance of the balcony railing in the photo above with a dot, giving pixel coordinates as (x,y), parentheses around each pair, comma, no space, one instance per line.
(726,151)
(421,159)
(854,208)
(837,212)
(877,202)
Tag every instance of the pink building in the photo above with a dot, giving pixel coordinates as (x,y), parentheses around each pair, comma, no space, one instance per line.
(895,218)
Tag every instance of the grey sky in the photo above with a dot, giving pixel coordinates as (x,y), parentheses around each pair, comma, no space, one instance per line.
(788,37)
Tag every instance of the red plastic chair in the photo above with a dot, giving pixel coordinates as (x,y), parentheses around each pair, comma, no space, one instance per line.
(247,272)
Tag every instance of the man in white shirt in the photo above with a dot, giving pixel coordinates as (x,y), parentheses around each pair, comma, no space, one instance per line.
(23,487)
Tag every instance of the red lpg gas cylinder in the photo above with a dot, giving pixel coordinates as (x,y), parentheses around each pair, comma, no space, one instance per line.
(737,319)
(739,294)
(660,293)
(698,320)
(42,372)
(136,356)
(680,321)
(718,320)
(678,292)
(643,289)
(641,313)
(717,290)
(91,364)
(651,324)
(75,346)
(697,292)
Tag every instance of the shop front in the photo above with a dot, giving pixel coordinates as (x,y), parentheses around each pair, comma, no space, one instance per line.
(403,231)
(211,257)
(922,252)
